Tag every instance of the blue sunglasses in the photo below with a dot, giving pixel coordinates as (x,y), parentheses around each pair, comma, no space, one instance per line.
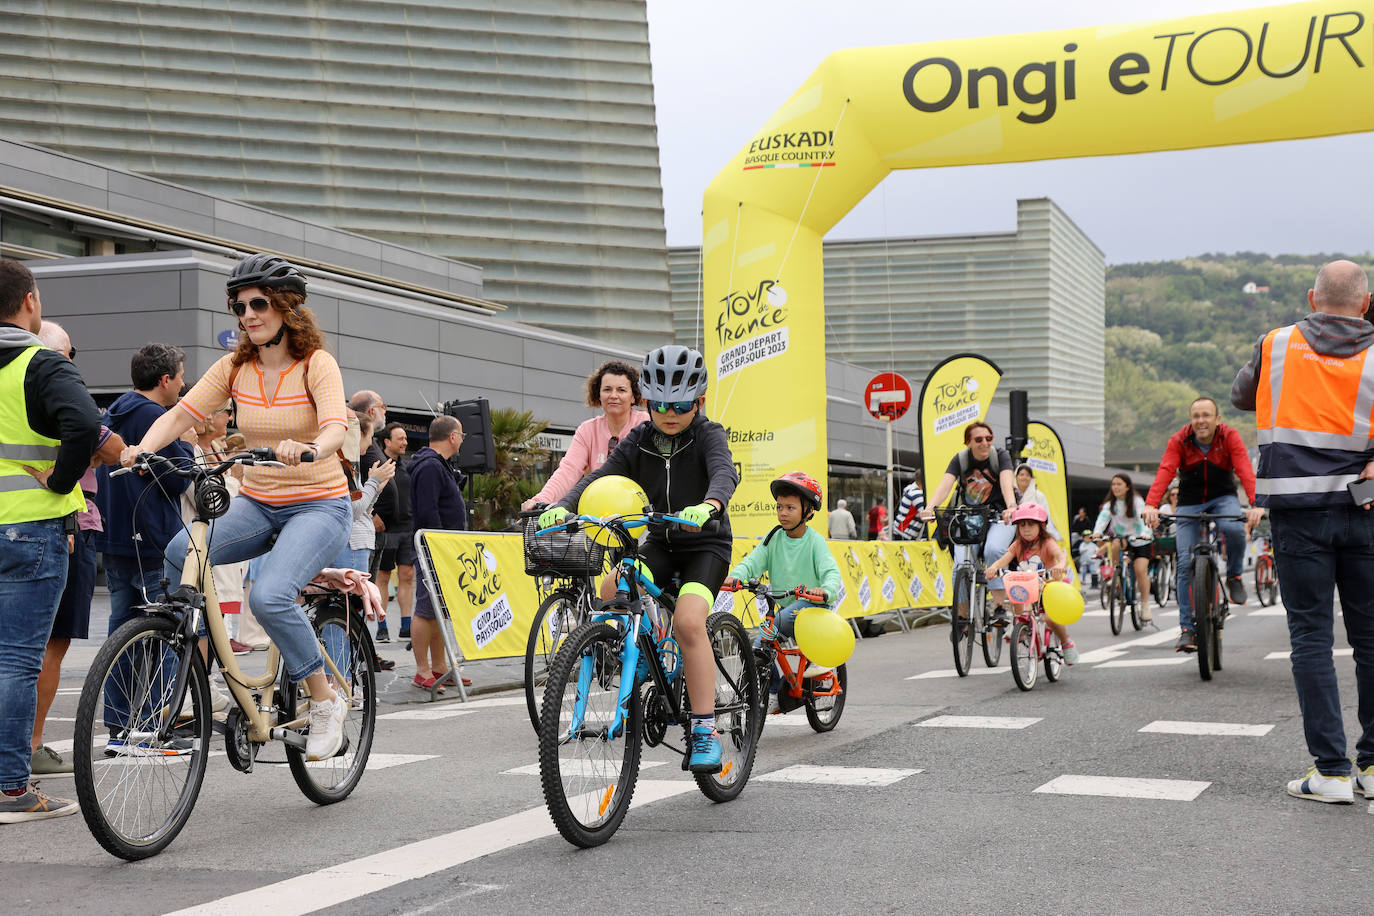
(674,406)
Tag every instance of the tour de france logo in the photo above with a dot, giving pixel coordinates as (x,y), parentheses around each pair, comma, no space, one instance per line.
(904,565)
(477,574)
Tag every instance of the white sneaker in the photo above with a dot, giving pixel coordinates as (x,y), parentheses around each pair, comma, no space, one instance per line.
(219,697)
(813,670)
(775,707)
(326,728)
(1364,781)
(1334,790)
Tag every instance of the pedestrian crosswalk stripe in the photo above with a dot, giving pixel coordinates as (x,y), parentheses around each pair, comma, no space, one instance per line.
(979,722)
(1164,726)
(837,776)
(566,769)
(374,761)
(445,711)
(1336,653)
(1277,610)
(950,672)
(1143,662)
(1125,787)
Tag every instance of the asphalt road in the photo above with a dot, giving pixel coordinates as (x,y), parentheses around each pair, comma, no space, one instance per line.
(897,810)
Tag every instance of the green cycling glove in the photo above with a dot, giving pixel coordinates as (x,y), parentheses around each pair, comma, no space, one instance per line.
(555,516)
(698,515)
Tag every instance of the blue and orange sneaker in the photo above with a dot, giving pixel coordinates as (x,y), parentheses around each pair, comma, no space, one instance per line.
(704,749)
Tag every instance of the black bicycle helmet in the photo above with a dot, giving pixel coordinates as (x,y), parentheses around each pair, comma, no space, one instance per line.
(267,271)
(673,373)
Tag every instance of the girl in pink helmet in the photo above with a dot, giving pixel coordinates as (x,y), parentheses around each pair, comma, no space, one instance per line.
(1034,548)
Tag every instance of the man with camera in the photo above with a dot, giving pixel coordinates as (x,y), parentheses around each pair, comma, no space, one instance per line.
(1311,386)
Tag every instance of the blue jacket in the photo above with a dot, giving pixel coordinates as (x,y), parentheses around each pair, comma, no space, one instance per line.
(436,500)
(159,512)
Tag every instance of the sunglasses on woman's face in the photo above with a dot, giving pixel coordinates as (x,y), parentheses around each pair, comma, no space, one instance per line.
(981,439)
(675,406)
(258,303)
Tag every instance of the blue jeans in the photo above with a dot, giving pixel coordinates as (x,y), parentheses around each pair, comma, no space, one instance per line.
(33,573)
(129,582)
(310,534)
(353,559)
(1318,551)
(1186,531)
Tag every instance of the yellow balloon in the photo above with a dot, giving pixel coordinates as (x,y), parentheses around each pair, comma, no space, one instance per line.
(824,637)
(612,496)
(1062,602)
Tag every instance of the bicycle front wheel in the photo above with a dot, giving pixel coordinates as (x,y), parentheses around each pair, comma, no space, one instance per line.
(1024,668)
(558,615)
(137,791)
(991,636)
(1116,604)
(587,773)
(1266,581)
(1203,589)
(961,620)
(349,646)
(736,706)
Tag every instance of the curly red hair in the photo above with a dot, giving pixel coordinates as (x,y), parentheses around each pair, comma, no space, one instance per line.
(303,335)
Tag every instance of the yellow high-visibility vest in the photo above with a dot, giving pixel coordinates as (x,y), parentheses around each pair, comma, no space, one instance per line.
(22,498)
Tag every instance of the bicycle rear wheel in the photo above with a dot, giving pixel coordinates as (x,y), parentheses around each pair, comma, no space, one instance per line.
(961,620)
(1116,604)
(824,712)
(1203,589)
(1266,581)
(736,706)
(588,775)
(991,636)
(137,791)
(1024,668)
(346,640)
(1137,600)
(558,615)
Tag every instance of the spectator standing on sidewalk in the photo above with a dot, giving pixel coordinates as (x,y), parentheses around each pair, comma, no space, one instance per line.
(1311,385)
(48,430)
(840,525)
(362,536)
(398,550)
(877,518)
(907,523)
(74,611)
(438,497)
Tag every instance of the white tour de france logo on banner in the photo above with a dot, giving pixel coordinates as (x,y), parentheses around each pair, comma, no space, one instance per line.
(889,589)
(915,588)
(940,586)
(865,593)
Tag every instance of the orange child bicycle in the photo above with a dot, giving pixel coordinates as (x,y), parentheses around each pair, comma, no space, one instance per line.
(819,689)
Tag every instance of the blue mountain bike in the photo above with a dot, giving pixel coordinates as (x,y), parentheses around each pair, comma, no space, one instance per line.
(617,683)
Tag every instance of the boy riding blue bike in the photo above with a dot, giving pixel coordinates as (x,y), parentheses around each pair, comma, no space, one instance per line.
(801,559)
(683,462)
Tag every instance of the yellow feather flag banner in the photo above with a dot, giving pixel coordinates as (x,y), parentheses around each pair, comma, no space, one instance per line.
(1044,452)
(957,391)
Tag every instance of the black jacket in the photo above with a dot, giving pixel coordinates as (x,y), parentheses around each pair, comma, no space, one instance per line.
(436,494)
(58,405)
(700,468)
(144,505)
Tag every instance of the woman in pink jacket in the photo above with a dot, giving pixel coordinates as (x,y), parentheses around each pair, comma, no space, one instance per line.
(615,389)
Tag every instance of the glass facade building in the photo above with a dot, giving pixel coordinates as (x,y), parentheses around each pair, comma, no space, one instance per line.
(518,136)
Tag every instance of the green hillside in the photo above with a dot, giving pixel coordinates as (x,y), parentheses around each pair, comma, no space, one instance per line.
(1180,329)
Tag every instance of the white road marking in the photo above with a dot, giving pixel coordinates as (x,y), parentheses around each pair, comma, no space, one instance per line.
(346,881)
(950,672)
(979,722)
(492,702)
(446,711)
(533,768)
(1277,610)
(837,776)
(374,761)
(1336,653)
(1125,787)
(1164,726)
(1143,662)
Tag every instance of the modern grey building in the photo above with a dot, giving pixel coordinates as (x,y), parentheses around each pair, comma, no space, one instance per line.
(1032,301)
(517,136)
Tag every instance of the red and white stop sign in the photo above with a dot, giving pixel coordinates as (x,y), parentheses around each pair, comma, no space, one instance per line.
(888,396)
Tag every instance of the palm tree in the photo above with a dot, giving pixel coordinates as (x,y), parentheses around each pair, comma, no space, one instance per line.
(497,496)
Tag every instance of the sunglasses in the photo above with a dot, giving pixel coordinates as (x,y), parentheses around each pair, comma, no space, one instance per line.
(674,406)
(258,303)
(981,439)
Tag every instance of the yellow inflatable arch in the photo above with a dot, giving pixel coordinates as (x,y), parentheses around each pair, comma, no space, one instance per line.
(1276,73)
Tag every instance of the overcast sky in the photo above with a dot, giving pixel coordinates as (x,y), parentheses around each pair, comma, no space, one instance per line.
(722,68)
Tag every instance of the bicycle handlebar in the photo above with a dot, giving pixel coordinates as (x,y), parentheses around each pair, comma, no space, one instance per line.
(261,457)
(621,525)
(814,595)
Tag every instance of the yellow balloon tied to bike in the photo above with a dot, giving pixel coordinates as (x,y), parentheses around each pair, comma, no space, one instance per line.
(612,496)
(1062,602)
(824,637)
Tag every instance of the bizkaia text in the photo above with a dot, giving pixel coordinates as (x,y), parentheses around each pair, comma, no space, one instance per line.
(1215,57)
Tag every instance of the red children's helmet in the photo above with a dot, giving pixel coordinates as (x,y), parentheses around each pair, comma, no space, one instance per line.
(801,483)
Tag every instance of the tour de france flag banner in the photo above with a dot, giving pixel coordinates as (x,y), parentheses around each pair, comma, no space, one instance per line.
(957,392)
(482,582)
(1239,76)
(1044,452)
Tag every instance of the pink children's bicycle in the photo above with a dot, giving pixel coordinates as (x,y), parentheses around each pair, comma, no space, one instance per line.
(1032,640)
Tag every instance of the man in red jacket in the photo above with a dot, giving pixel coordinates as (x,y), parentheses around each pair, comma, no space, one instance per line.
(1207,455)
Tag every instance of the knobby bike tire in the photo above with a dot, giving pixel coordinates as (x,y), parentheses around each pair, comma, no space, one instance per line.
(1116,604)
(991,636)
(599,773)
(105,785)
(736,707)
(542,646)
(1024,664)
(763,673)
(1054,656)
(344,634)
(824,718)
(1203,589)
(961,629)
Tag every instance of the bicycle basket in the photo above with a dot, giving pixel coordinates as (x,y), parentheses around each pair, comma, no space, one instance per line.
(1022,587)
(561,554)
(966,527)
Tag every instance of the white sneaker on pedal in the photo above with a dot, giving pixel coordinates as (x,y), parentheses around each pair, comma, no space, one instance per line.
(326,728)
(219,697)
(814,670)
(773,705)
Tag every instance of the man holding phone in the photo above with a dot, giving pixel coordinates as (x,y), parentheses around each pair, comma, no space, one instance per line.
(1311,385)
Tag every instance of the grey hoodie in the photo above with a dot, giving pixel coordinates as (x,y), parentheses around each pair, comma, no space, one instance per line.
(57,403)
(1331,335)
